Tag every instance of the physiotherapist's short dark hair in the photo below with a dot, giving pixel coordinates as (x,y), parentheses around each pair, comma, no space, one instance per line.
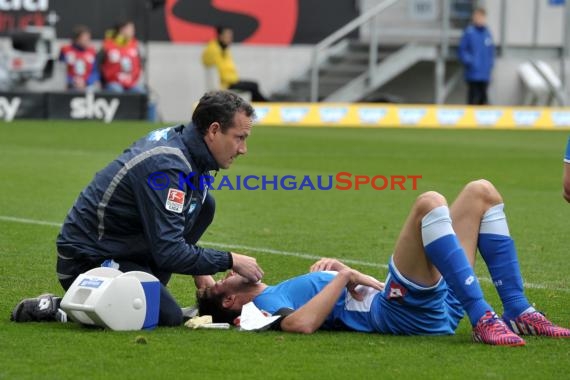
(221,107)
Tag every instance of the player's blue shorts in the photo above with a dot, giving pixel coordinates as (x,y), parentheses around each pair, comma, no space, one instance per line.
(406,308)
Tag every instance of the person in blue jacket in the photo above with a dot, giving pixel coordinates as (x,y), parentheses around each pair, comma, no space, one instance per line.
(477,53)
(147,209)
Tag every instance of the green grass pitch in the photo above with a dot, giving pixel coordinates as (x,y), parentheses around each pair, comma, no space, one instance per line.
(43,167)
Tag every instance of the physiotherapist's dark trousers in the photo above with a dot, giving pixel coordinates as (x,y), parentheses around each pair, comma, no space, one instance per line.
(477,92)
(170,313)
(251,87)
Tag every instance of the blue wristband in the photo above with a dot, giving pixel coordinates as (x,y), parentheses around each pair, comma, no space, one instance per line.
(567,155)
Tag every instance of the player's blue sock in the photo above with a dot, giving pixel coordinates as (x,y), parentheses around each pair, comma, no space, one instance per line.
(499,252)
(444,251)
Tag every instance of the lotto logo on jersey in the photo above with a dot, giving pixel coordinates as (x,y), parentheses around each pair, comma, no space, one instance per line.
(397,292)
(175,200)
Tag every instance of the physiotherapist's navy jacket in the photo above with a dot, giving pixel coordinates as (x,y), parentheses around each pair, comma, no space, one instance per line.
(120,216)
(477,53)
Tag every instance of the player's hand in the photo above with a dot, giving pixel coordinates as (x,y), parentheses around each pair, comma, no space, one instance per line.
(204,282)
(356,278)
(325,264)
(247,267)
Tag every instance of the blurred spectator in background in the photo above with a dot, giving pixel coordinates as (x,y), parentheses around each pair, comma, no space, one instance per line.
(477,53)
(120,59)
(217,54)
(80,60)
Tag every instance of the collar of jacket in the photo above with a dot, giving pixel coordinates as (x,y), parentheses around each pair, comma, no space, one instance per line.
(198,149)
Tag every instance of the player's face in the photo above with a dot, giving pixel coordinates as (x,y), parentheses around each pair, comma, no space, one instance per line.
(231,284)
(226,147)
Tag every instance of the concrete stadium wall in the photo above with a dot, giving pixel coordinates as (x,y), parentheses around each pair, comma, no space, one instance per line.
(520,16)
(176,73)
(177,76)
(416,85)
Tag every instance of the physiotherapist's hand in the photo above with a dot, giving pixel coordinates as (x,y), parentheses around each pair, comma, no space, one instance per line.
(326,264)
(247,267)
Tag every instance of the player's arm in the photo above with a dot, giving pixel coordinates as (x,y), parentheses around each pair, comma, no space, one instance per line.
(326,264)
(310,317)
(566,176)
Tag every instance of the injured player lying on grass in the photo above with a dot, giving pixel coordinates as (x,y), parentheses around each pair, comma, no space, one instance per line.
(430,284)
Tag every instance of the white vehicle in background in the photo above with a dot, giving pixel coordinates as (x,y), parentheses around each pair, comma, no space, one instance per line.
(27,55)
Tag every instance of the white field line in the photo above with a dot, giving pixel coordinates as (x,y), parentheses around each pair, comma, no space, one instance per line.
(270,251)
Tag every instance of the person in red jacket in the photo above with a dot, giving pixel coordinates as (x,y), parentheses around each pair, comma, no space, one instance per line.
(120,60)
(80,58)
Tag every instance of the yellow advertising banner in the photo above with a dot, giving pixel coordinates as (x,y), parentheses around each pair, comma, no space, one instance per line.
(374,115)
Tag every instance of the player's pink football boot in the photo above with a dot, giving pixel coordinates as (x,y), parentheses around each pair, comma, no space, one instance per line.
(535,323)
(492,330)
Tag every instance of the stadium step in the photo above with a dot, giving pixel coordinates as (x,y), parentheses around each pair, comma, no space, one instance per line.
(343,76)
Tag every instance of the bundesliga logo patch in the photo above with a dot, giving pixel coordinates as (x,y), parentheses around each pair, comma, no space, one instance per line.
(175,200)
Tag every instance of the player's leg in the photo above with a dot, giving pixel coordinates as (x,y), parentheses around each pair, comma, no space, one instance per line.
(480,222)
(428,222)
(428,246)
